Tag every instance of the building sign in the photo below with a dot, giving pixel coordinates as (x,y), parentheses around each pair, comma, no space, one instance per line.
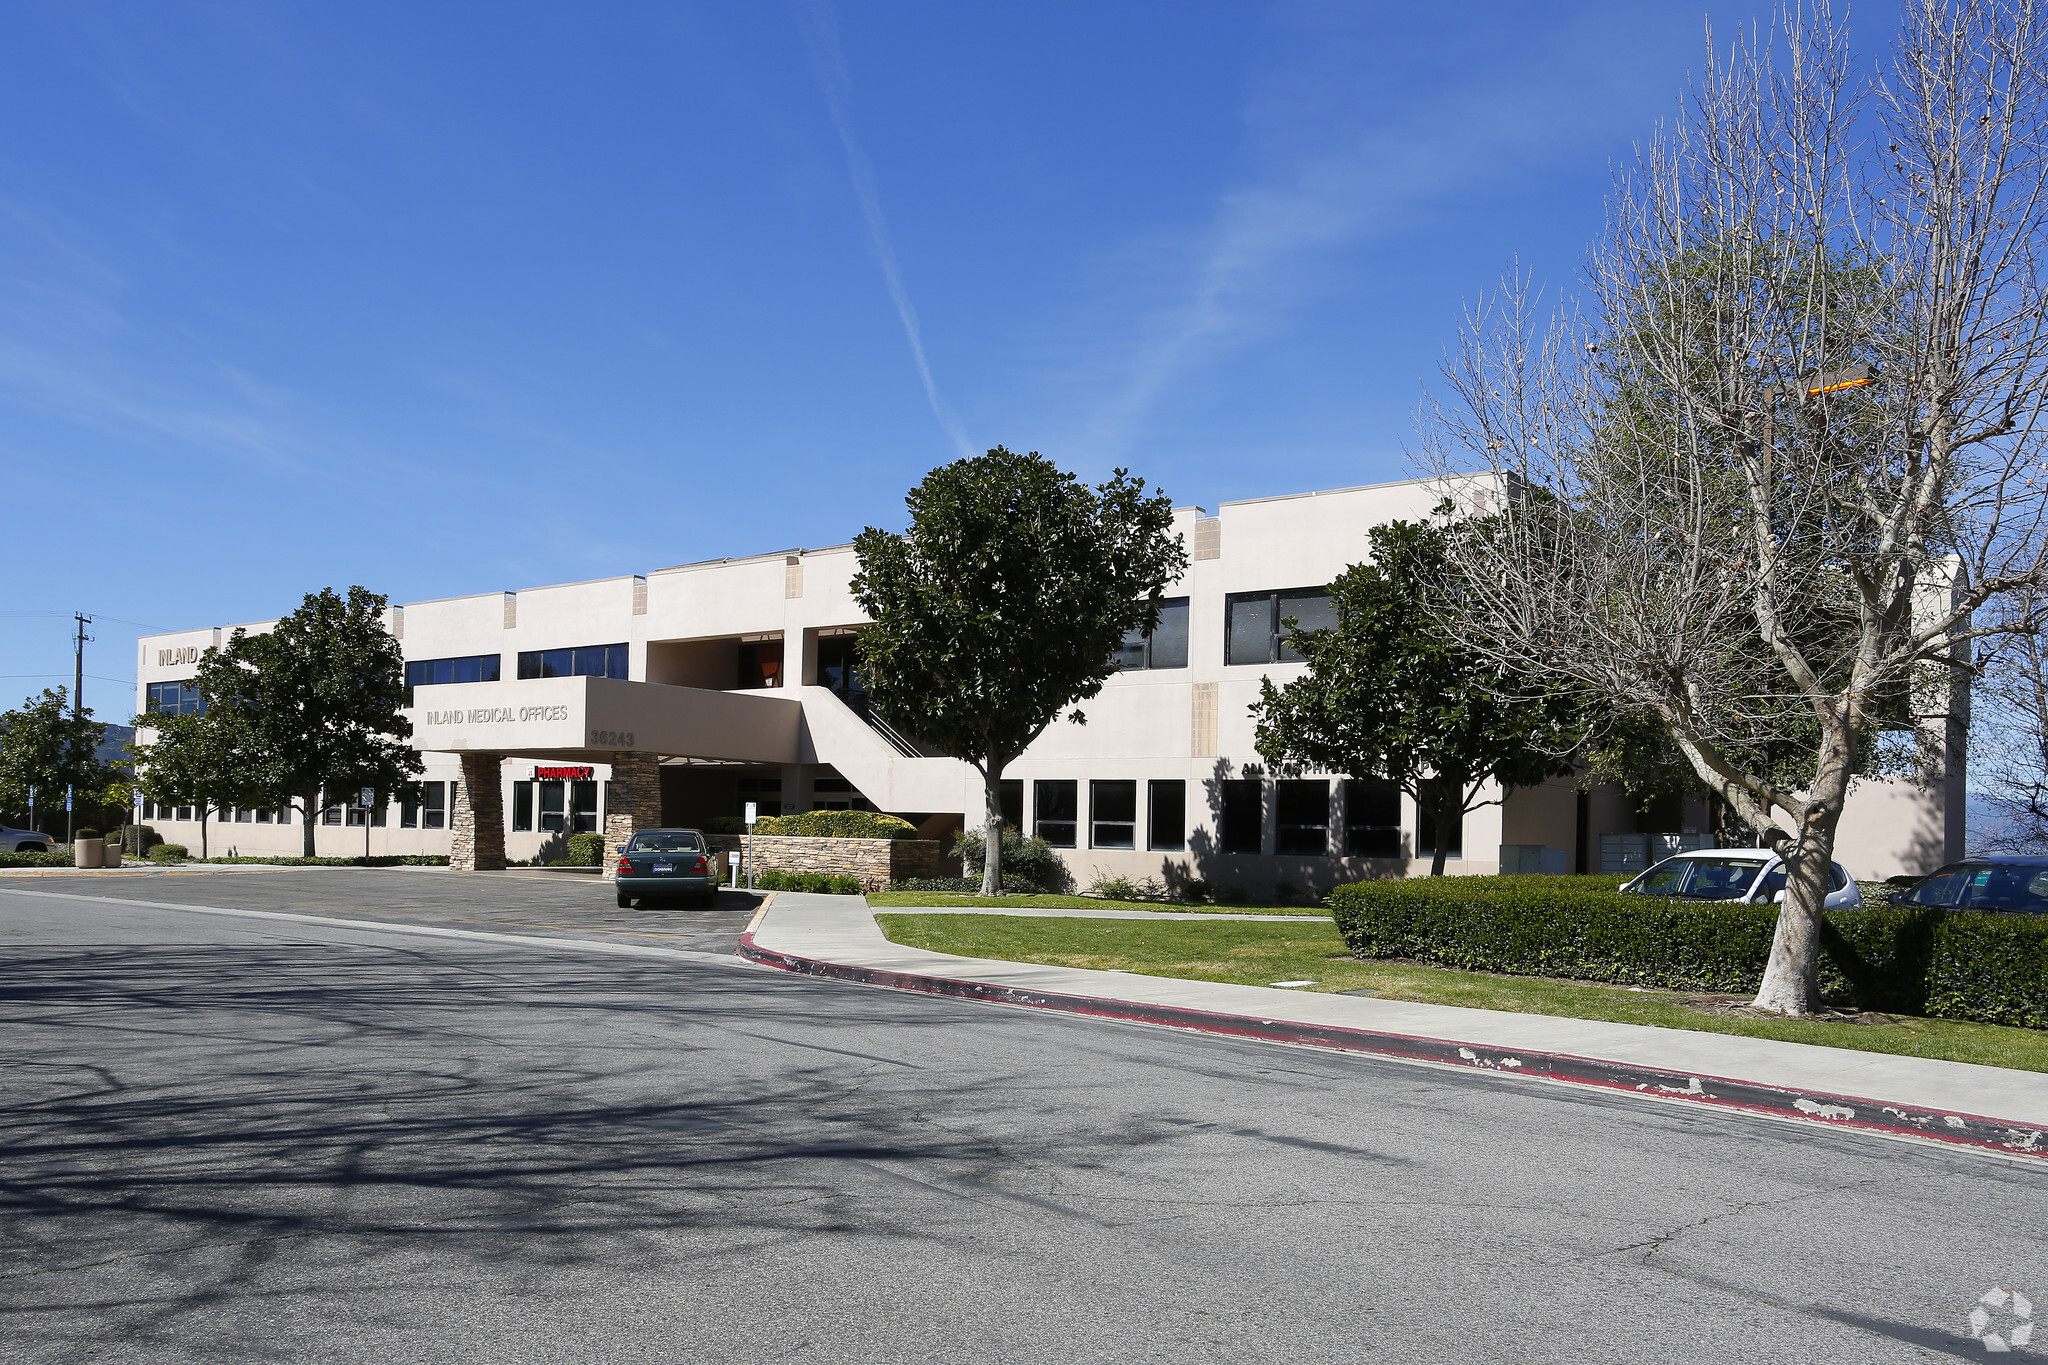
(183,654)
(494,715)
(544,774)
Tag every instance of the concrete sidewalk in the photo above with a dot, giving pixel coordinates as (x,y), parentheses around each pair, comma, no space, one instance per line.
(1992,1107)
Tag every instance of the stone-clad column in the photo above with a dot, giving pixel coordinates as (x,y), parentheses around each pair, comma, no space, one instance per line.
(633,803)
(478,820)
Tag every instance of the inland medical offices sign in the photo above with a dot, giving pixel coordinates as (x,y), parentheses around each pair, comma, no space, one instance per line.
(494,715)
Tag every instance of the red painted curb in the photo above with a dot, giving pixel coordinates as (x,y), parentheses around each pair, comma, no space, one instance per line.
(1829,1110)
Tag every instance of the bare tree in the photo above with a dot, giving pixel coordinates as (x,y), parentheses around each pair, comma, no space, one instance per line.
(2012,711)
(1783,466)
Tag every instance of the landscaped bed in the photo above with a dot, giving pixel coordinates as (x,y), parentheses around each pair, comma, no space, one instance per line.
(1051,902)
(1258,954)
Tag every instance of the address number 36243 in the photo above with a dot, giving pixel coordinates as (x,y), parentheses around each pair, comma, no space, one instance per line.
(611,739)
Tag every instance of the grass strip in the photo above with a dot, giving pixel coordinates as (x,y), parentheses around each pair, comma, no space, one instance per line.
(916,899)
(1257,954)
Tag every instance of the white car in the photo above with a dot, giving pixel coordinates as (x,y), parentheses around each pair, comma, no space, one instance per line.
(1756,875)
(23,841)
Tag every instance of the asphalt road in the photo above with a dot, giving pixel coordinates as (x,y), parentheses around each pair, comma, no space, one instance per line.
(231,1138)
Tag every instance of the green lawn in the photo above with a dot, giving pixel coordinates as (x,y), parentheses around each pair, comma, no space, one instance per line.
(943,898)
(1256,954)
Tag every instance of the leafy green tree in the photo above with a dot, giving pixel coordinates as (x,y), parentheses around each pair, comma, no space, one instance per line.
(42,745)
(1390,697)
(1005,603)
(314,703)
(200,759)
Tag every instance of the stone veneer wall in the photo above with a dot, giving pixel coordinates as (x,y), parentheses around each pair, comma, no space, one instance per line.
(633,803)
(477,824)
(868,859)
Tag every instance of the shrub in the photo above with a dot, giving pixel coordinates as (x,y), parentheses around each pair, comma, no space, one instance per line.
(1126,888)
(380,860)
(725,824)
(168,853)
(585,850)
(86,834)
(817,883)
(1033,859)
(35,860)
(838,824)
(1195,891)
(1956,965)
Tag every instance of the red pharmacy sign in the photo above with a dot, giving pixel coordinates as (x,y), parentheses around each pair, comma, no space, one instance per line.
(562,774)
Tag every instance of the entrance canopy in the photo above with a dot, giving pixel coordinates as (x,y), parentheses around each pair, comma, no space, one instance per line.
(590,719)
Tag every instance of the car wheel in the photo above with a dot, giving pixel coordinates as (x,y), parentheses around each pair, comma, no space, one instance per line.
(30,848)
(625,901)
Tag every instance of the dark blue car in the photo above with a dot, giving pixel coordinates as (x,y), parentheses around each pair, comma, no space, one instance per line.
(1997,884)
(667,864)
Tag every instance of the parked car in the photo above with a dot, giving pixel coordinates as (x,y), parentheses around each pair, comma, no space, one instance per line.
(1756,875)
(2000,885)
(23,841)
(667,864)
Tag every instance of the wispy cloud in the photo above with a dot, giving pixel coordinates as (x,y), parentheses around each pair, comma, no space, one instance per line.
(820,24)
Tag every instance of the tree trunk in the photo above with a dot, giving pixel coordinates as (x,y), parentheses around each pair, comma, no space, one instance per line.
(1443,836)
(1791,983)
(202,830)
(992,831)
(311,801)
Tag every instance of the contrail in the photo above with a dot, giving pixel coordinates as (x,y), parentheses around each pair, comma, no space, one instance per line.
(820,24)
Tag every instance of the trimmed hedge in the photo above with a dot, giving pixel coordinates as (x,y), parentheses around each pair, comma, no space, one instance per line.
(1992,969)
(584,850)
(381,860)
(169,853)
(837,824)
(968,886)
(818,883)
(35,860)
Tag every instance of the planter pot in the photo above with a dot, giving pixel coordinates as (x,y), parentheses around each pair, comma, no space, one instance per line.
(110,856)
(87,852)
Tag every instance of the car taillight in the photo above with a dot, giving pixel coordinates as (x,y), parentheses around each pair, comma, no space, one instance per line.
(697,866)
(625,863)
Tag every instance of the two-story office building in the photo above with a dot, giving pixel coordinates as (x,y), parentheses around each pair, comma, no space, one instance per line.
(684,693)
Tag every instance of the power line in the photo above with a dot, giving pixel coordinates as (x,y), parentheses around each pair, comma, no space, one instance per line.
(99,677)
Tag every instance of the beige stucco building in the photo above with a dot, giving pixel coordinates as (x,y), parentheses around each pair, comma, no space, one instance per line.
(681,694)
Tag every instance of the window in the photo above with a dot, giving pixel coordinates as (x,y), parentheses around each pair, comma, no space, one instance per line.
(357,816)
(175,699)
(1254,623)
(331,816)
(583,807)
(1166,647)
(244,816)
(836,793)
(1010,796)
(585,661)
(666,841)
(434,810)
(764,792)
(264,817)
(836,671)
(1113,814)
(377,816)
(1372,820)
(1168,816)
(434,672)
(553,817)
(1303,808)
(1056,803)
(1244,815)
(1425,830)
(522,806)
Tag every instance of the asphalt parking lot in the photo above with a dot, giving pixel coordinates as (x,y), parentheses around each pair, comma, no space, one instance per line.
(542,904)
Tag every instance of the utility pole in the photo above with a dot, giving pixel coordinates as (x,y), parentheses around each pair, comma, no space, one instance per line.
(77,702)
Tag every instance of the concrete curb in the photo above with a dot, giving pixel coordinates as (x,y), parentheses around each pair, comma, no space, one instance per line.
(1829,1110)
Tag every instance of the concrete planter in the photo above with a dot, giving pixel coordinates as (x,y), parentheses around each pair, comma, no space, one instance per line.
(87,852)
(110,856)
(871,860)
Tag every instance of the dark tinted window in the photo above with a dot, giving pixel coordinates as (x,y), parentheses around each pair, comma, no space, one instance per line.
(1010,795)
(1372,820)
(1057,816)
(1244,816)
(584,661)
(1303,808)
(1166,647)
(2020,888)
(1425,832)
(1254,623)
(174,699)
(470,668)
(1169,814)
(1113,814)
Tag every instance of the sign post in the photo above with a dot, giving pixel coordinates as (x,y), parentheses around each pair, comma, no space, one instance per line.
(367,799)
(749,855)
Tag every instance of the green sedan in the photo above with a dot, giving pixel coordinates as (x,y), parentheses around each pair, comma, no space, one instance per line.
(667,864)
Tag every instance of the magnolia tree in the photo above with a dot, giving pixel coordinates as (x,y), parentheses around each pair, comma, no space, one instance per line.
(1004,604)
(1781,469)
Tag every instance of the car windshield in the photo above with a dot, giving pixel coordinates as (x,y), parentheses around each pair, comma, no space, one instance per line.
(1714,879)
(2017,887)
(666,841)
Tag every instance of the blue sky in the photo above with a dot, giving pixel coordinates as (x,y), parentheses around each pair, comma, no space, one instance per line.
(448,298)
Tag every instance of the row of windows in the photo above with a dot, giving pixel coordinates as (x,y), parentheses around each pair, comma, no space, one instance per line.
(174,699)
(562,807)
(1370,828)
(1254,629)
(583,661)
